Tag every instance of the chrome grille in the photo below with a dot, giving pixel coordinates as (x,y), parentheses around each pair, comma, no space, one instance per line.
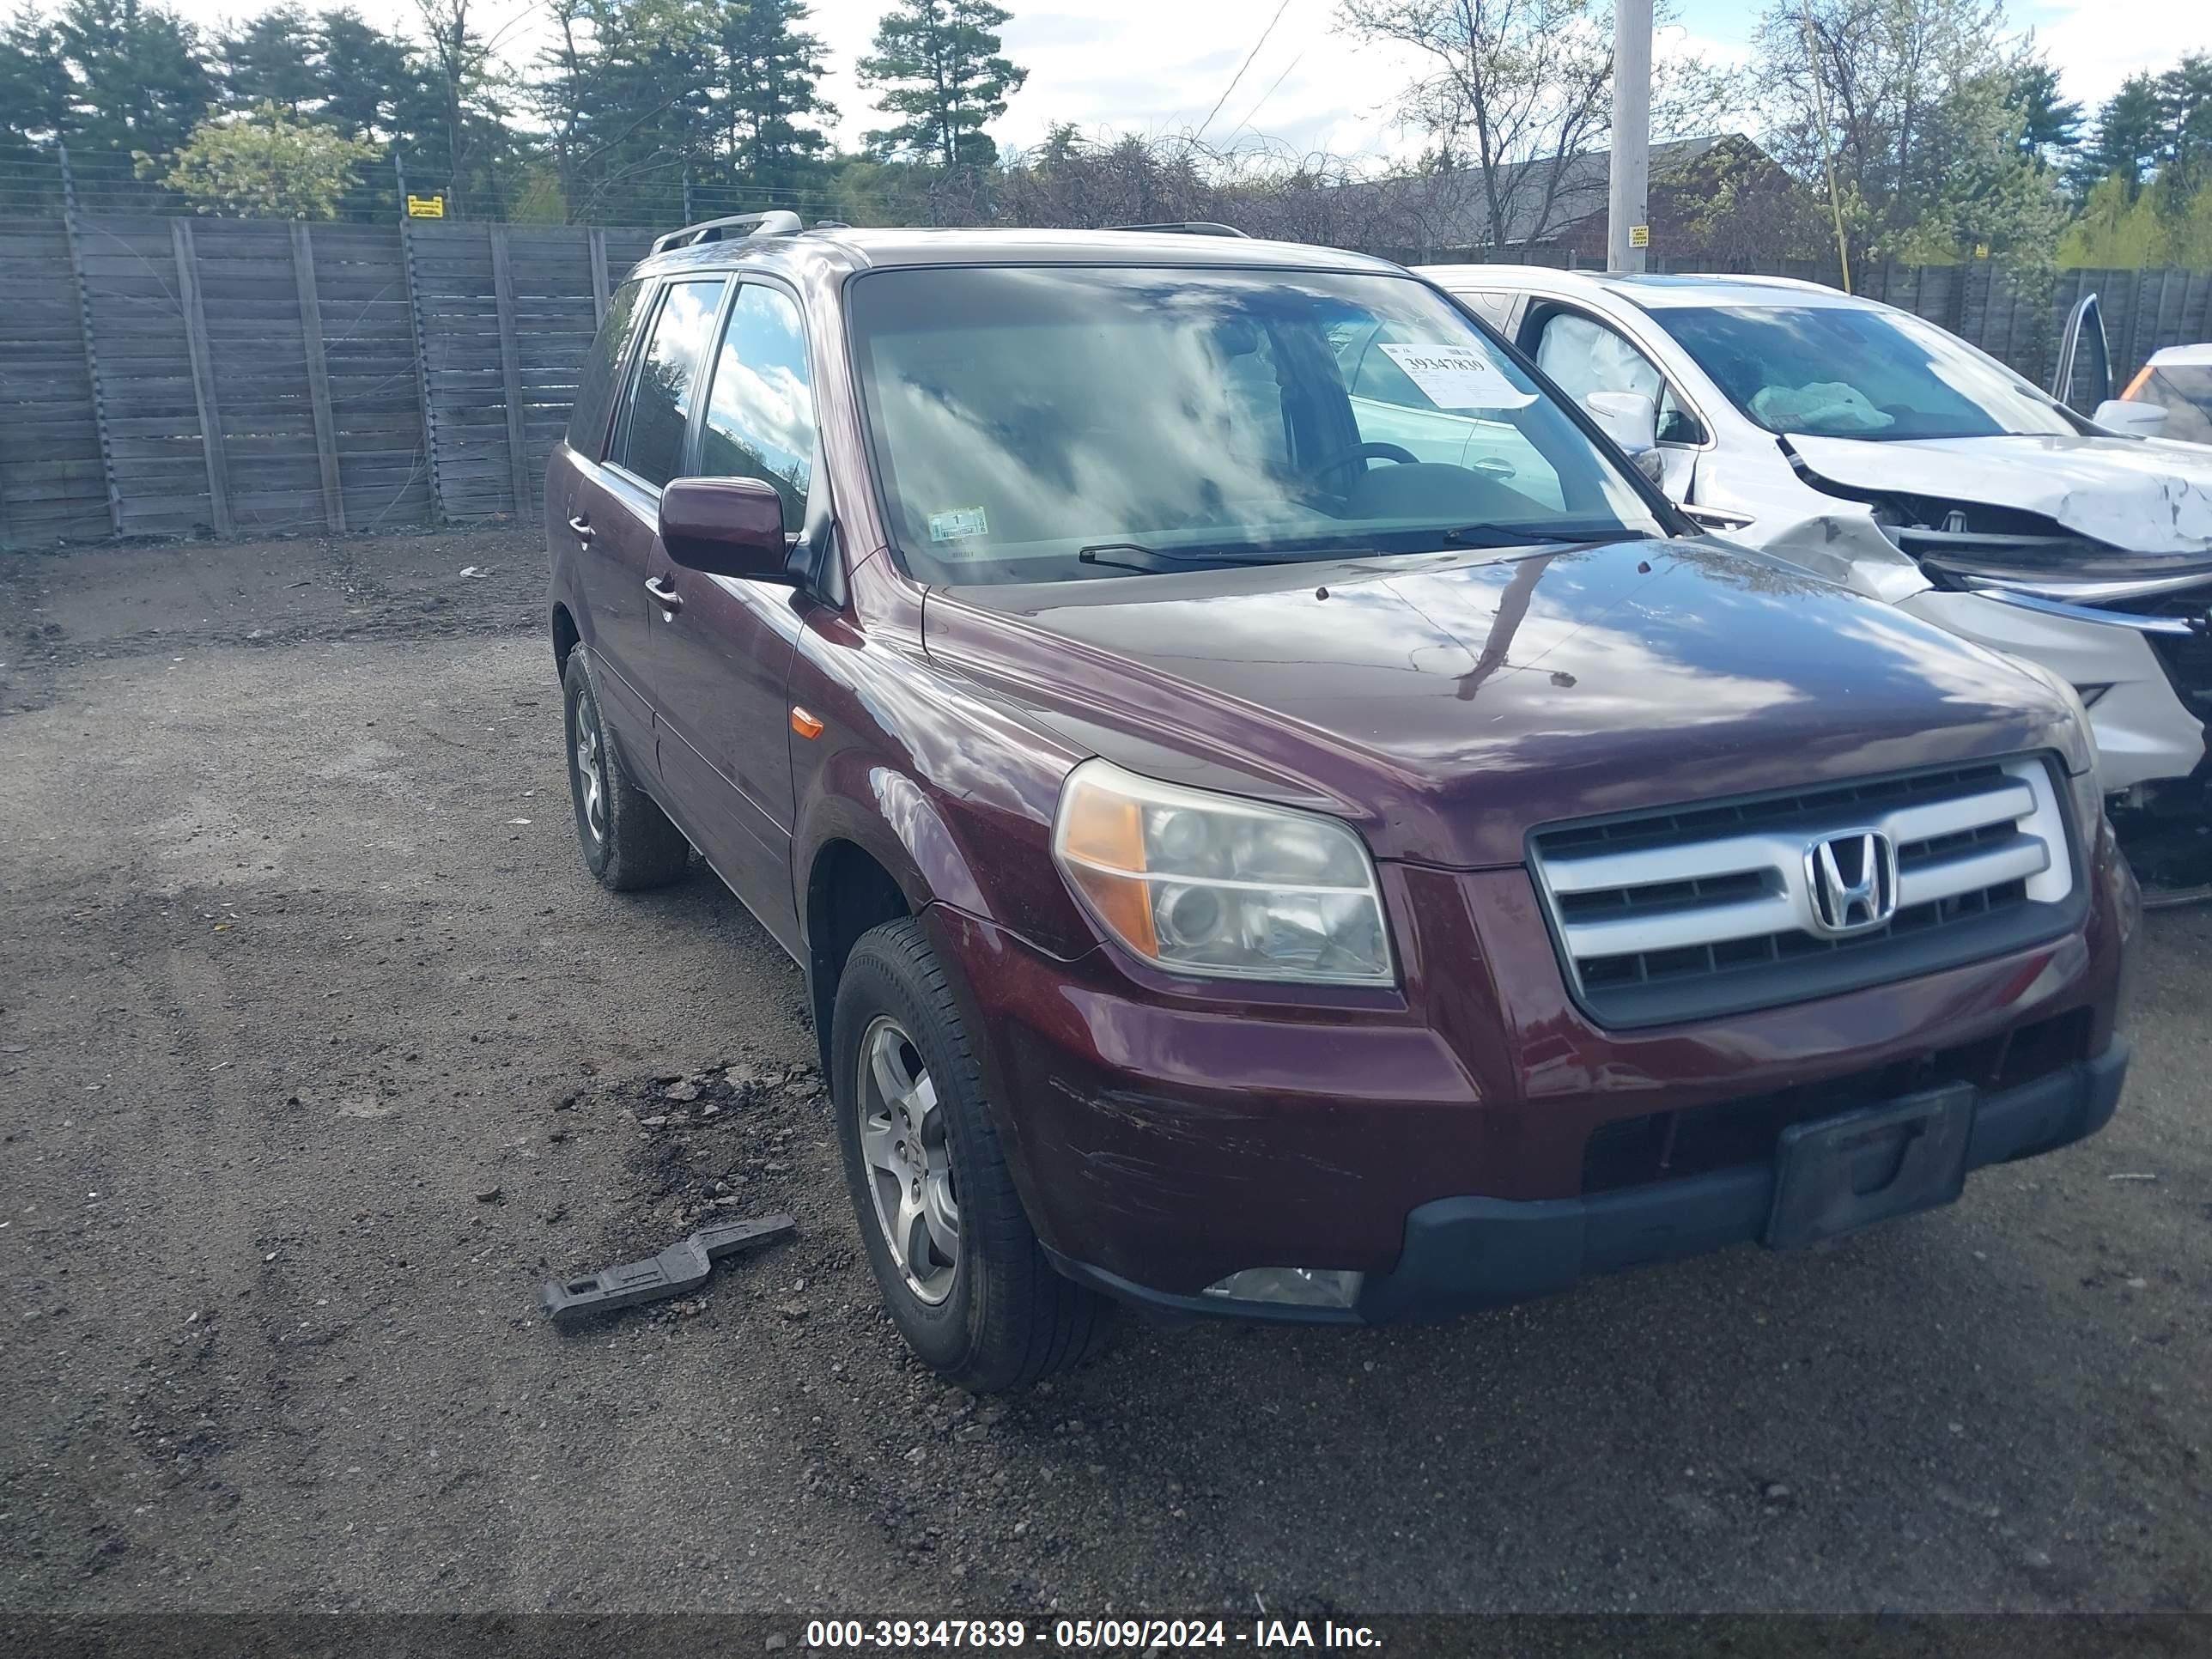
(1711,908)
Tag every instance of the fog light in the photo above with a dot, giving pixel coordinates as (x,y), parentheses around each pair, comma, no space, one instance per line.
(1300,1287)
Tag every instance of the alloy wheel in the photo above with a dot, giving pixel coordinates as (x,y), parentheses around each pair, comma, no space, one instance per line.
(591,779)
(910,1164)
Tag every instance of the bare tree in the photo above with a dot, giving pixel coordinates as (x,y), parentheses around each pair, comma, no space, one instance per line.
(1512,88)
(1069,179)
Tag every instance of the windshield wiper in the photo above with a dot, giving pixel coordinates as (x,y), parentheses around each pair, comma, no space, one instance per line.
(1164,558)
(1500,535)
(1161,558)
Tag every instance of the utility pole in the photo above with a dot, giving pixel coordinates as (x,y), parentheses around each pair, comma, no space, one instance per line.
(1628,229)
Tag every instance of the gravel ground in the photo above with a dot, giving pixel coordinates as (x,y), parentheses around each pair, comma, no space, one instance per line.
(318,1052)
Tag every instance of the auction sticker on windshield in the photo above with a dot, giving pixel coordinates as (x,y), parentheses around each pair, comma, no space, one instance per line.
(1458,377)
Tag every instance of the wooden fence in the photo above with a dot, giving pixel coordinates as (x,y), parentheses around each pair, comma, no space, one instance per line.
(170,376)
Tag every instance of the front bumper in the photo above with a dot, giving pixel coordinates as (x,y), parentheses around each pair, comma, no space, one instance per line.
(2145,733)
(1166,1136)
(1464,1254)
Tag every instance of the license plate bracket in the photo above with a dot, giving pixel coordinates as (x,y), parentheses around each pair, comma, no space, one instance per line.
(1836,1174)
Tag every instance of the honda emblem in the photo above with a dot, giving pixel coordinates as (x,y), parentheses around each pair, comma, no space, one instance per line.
(1852,879)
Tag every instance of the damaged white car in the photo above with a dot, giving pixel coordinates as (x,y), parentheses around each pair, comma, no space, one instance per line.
(1878,450)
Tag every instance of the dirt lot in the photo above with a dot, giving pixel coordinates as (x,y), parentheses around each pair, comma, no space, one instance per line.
(318,1052)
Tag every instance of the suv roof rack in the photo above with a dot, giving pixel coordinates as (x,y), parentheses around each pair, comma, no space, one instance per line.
(777,222)
(1188,227)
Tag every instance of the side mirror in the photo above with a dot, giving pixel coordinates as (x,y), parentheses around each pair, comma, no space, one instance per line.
(726,527)
(1631,420)
(2135,420)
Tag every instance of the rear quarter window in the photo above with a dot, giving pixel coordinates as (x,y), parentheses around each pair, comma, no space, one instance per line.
(595,386)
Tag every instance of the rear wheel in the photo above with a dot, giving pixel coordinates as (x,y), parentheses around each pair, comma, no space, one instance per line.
(628,842)
(966,1281)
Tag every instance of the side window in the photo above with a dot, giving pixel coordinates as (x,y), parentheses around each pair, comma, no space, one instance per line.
(1380,380)
(1583,356)
(595,386)
(1485,303)
(1346,341)
(650,441)
(1388,407)
(760,408)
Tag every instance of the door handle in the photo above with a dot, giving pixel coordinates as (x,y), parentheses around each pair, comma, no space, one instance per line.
(662,595)
(582,526)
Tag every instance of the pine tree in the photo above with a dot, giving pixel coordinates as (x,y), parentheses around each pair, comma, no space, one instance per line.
(939,63)
(35,107)
(624,91)
(270,60)
(138,81)
(2051,126)
(365,76)
(2185,97)
(768,71)
(455,135)
(2131,133)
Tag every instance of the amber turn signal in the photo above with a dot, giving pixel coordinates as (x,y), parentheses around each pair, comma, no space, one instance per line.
(804,723)
(1102,838)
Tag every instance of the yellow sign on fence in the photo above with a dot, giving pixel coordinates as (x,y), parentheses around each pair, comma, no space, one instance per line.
(426,207)
(1638,235)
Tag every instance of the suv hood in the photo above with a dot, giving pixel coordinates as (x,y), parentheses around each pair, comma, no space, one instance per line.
(1449,704)
(2141,495)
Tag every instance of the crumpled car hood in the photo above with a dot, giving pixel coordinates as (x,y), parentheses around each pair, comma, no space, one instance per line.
(2144,496)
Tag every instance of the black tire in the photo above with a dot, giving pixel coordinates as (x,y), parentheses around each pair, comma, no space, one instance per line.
(1008,1317)
(628,842)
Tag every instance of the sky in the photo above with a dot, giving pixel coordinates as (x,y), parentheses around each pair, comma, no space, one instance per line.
(1276,68)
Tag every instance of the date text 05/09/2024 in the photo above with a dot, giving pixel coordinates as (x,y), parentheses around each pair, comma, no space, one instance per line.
(1088,1635)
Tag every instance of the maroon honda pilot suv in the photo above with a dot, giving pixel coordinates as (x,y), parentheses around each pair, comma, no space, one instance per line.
(1277,816)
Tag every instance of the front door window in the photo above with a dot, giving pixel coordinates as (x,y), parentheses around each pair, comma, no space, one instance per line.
(1584,356)
(760,408)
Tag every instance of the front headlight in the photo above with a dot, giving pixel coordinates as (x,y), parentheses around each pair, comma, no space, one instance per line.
(1206,884)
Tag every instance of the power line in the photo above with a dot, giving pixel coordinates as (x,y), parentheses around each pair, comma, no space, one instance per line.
(1241,68)
(1265,96)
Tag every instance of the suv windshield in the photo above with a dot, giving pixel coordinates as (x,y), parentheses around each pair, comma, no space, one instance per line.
(1844,372)
(1046,422)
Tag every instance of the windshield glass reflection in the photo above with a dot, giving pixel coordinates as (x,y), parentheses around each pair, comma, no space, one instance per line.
(1043,424)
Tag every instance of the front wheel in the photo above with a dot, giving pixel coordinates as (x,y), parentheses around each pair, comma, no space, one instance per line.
(966,1281)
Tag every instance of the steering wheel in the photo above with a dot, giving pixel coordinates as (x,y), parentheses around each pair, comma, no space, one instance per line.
(1367,452)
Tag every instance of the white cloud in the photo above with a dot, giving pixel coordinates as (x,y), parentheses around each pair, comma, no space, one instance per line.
(2095,45)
